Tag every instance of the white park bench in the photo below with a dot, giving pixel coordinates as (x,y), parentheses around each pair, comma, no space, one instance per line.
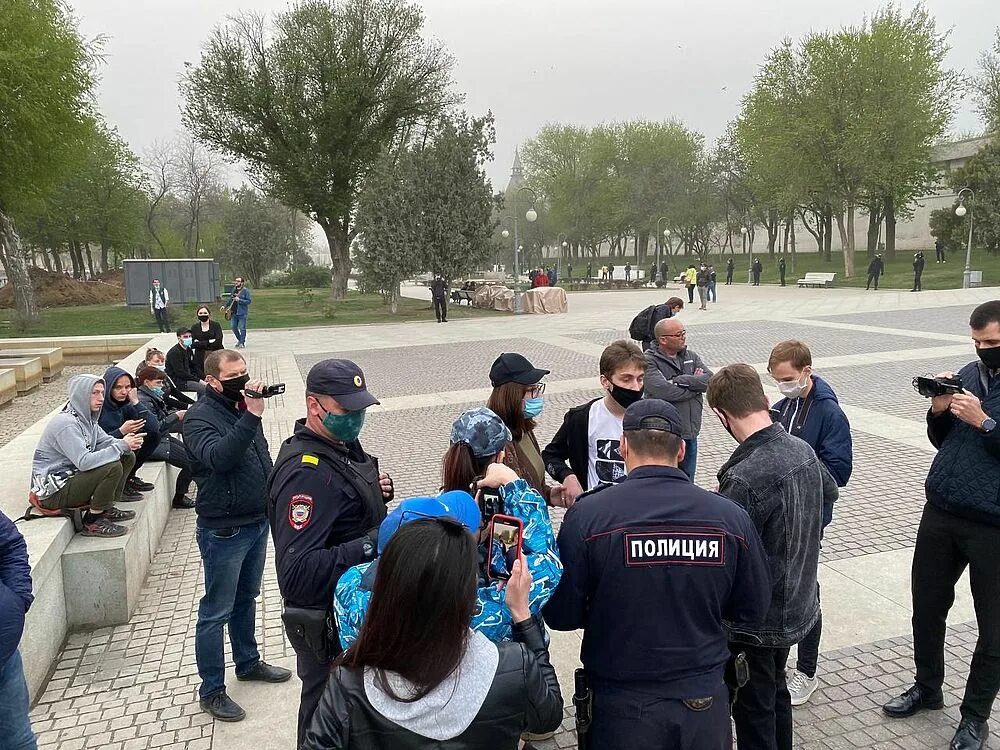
(818,279)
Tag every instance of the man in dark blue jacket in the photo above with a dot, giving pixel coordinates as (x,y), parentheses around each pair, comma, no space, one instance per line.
(654,570)
(123,414)
(15,598)
(230,464)
(810,411)
(959,529)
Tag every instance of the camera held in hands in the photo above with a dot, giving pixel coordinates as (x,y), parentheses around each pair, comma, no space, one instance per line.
(269,390)
(934,387)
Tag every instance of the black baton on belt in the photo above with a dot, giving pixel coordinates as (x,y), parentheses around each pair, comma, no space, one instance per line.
(582,702)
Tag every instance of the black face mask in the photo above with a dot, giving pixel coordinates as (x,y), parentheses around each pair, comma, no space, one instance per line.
(203,317)
(990,357)
(725,423)
(625,396)
(231,388)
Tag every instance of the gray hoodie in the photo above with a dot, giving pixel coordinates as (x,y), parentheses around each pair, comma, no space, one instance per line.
(73,441)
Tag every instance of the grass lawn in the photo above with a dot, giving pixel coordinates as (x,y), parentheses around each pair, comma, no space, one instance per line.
(271,308)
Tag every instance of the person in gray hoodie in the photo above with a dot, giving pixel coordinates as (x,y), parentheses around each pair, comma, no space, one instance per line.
(78,465)
(677,375)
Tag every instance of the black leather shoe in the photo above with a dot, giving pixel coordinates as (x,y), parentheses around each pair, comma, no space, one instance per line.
(183,502)
(911,701)
(130,495)
(138,484)
(222,707)
(971,735)
(263,672)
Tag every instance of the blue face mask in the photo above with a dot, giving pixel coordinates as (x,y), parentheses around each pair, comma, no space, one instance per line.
(156,390)
(345,427)
(533,407)
(186,342)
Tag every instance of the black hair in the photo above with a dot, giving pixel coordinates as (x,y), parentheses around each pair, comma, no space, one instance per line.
(182,330)
(429,571)
(654,443)
(986,313)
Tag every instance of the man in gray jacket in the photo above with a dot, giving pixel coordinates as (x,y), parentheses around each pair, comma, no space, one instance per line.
(78,465)
(677,375)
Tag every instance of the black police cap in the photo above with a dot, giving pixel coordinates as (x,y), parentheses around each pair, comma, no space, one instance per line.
(343,380)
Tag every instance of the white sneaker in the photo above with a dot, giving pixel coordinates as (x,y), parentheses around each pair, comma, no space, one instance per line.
(801,687)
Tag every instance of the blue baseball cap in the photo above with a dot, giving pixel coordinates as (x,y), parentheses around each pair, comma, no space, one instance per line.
(457,505)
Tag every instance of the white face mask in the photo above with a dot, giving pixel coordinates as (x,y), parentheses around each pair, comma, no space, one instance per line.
(794,389)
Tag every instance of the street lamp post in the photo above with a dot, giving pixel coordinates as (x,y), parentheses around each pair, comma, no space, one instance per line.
(506,232)
(960,211)
(659,245)
(563,244)
(743,232)
(530,215)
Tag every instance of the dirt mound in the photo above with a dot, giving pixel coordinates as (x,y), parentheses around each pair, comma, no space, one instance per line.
(58,290)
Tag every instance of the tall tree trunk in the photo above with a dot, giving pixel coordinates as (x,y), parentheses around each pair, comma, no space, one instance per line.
(90,260)
(394,300)
(874,229)
(772,226)
(16,266)
(890,227)
(850,249)
(843,231)
(104,256)
(340,257)
(57,259)
(46,261)
(76,258)
(828,233)
(791,221)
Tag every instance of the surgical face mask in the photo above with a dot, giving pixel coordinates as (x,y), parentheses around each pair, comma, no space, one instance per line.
(793,389)
(625,396)
(533,407)
(990,357)
(156,390)
(161,367)
(232,387)
(186,342)
(345,427)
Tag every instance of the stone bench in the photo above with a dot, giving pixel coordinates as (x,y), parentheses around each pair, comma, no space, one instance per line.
(51,359)
(27,373)
(8,386)
(92,348)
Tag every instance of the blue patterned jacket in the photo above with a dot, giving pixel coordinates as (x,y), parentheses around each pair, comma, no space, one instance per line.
(492,618)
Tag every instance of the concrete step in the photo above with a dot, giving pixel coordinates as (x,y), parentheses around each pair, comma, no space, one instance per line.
(51,358)
(27,373)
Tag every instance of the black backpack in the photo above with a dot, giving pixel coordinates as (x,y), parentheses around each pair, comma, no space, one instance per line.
(638,329)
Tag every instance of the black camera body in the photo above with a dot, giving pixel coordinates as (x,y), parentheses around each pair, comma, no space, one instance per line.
(269,390)
(933,387)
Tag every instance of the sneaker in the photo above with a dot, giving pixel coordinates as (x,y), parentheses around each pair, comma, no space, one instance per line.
(116,514)
(102,527)
(138,484)
(183,502)
(264,672)
(130,495)
(222,707)
(801,687)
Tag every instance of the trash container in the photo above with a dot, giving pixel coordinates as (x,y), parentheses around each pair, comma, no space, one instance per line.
(975,278)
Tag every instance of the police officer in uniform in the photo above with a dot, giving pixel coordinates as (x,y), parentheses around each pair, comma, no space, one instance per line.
(326,500)
(656,570)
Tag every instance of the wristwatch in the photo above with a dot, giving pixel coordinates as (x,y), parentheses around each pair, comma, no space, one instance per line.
(989,424)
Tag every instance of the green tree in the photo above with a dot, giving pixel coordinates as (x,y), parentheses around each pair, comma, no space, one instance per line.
(986,86)
(982,174)
(311,105)
(257,236)
(45,84)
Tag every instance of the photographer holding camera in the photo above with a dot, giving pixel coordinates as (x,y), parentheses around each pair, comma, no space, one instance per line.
(960,528)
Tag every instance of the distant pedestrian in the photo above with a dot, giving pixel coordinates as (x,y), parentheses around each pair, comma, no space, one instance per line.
(756,268)
(159,302)
(664,272)
(652,274)
(701,280)
(611,272)
(939,251)
(691,281)
(875,270)
(206,337)
(439,295)
(730,265)
(240,307)
(628,272)
(781,271)
(540,279)
(918,271)
(569,271)
(590,271)
(553,275)
(712,281)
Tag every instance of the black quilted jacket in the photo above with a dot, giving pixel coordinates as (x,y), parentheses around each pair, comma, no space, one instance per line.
(965,476)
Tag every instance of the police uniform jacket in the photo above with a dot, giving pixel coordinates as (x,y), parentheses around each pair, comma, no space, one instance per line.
(651,568)
(318,515)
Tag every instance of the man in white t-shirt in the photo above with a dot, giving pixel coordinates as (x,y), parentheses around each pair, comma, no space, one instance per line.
(585,451)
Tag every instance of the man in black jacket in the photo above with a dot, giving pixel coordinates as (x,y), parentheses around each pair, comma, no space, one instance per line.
(590,436)
(326,500)
(181,364)
(918,272)
(230,464)
(959,529)
(780,482)
(875,270)
(439,295)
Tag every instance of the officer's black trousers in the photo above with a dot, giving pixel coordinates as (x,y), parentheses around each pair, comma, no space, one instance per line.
(946,546)
(313,672)
(763,710)
(440,309)
(872,278)
(629,719)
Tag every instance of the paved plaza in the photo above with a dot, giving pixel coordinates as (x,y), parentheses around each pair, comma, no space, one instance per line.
(135,686)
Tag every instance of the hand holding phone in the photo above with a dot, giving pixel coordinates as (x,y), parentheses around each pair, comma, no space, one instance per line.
(505,546)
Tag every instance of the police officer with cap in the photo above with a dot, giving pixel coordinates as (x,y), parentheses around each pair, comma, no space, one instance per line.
(656,570)
(327,498)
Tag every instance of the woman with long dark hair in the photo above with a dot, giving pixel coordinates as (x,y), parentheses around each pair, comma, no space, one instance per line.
(425,679)
(206,337)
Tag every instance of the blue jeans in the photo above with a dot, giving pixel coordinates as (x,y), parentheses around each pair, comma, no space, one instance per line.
(240,328)
(15,727)
(690,461)
(234,565)
(712,296)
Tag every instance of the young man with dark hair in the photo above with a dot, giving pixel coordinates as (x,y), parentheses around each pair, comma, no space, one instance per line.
(668,309)
(182,365)
(159,305)
(589,438)
(240,307)
(810,411)
(959,529)
(781,484)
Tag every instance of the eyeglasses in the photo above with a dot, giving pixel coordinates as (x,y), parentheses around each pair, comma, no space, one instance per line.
(678,335)
(536,390)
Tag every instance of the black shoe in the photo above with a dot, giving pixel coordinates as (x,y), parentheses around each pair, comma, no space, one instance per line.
(971,735)
(183,502)
(102,527)
(263,672)
(116,514)
(130,495)
(137,484)
(912,701)
(222,707)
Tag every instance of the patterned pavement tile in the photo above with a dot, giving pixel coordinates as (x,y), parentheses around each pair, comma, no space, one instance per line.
(449,367)
(953,319)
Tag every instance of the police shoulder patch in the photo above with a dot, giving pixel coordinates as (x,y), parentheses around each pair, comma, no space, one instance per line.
(300,509)
(675,547)
(311,460)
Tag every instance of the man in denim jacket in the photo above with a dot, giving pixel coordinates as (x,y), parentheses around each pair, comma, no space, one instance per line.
(782,485)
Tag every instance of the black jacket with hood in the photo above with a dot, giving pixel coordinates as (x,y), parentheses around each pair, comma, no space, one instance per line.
(115,414)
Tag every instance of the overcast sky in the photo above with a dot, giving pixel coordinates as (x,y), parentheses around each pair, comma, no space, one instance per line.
(531,63)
